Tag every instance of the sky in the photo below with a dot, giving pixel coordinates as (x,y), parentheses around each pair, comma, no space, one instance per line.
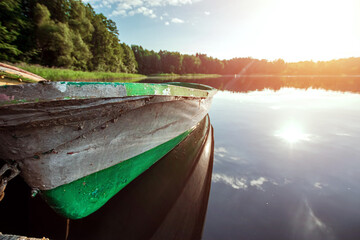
(294,30)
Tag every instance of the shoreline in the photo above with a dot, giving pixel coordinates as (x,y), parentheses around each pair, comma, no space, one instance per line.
(187,75)
(59,74)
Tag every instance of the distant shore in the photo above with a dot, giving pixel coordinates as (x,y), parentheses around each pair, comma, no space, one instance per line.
(188,76)
(59,74)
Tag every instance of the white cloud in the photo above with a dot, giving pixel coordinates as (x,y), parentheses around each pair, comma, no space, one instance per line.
(125,6)
(127,10)
(167,23)
(287,181)
(232,181)
(319,185)
(207,13)
(161,18)
(223,153)
(258,182)
(177,20)
(306,225)
(220,150)
(146,12)
(241,183)
(132,7)
(118,12)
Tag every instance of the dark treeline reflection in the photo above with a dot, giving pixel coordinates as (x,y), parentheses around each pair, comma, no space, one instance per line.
(168,201)
(252,83)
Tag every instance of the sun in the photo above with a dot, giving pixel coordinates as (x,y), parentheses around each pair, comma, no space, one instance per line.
(310,29)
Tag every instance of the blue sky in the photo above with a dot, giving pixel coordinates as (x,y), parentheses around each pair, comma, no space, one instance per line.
(266,29)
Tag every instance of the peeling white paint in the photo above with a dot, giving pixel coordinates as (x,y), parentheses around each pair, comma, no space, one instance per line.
(61,87)
(157,92)
(166,91)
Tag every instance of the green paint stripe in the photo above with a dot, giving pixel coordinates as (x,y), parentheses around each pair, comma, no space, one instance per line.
(84,196)
(143,89)
(139,89)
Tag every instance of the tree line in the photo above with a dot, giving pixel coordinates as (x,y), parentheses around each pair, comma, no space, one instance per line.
(62,33)
(151,62)
(70,34)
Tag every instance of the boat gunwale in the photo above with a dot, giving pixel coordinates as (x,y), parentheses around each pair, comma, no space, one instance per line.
(176,89)
(147,99)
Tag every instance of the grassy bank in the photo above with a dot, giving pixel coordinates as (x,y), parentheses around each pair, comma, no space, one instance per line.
(58,74)
(12,78)
(188,76)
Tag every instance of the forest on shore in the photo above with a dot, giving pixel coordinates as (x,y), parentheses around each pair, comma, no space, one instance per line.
(70,34)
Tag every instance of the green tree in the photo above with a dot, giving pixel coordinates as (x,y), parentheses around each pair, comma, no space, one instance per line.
(171,61)
(129,59)
(11,24)
(81,30)
(59,9)
(54,39)
(190,64)
(81,54)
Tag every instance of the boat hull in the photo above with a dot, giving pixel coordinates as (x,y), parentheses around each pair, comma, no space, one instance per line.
(79,149)
(84,196)
(169,198)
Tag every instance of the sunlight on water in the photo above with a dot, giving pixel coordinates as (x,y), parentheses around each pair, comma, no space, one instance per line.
(293,133)
(286,93)
(286,161)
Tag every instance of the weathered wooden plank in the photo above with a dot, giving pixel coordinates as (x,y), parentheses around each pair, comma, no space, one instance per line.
(17,237)
(18,71)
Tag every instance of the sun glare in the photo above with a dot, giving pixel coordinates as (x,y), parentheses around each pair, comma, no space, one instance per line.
(311,30)
(292,134)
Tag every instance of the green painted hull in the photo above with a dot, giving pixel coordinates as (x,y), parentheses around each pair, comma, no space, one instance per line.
(84,196)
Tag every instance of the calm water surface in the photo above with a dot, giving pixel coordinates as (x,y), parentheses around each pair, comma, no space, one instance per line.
(286,166)
(287,159)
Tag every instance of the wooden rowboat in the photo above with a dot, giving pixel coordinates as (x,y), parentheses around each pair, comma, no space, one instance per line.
(79,143)
(168,201)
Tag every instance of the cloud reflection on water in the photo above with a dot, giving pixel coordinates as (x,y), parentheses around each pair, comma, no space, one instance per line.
(319,185)
(261,180)
(306,225)
(241,182)
(234,182)
(223,154)
(258,182)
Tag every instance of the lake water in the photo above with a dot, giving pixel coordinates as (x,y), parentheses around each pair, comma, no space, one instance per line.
(286,165)
(287,159)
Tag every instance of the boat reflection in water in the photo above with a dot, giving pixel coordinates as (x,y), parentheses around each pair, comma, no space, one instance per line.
(168,201)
